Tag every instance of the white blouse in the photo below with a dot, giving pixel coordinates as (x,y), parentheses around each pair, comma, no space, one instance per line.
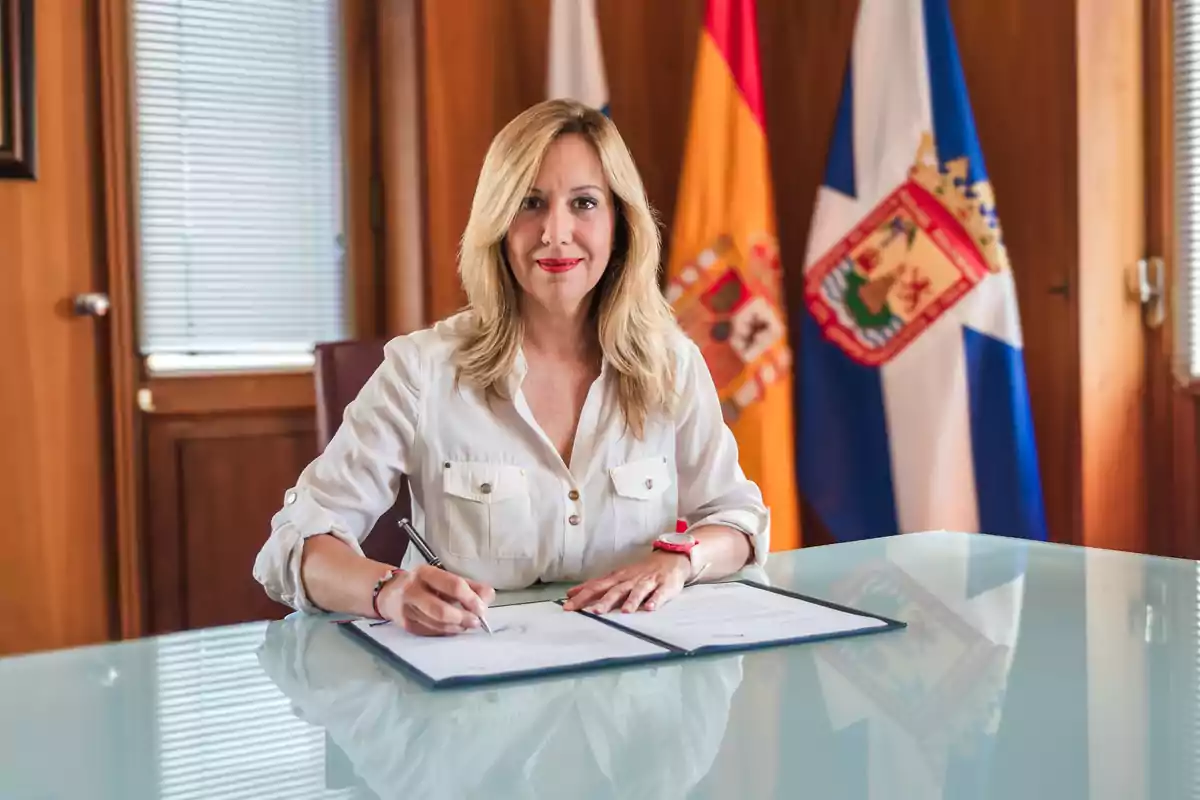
(491,494)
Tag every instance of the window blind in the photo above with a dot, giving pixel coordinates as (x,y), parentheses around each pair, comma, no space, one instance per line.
(225,730)
(240,181)
(1187,188)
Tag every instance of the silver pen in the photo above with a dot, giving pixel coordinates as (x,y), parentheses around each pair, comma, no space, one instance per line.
(431,557)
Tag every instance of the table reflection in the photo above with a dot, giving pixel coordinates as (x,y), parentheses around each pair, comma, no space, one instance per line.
(644,732)
(913,714)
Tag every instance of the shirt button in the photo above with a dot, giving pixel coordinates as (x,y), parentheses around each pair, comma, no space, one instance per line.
(573,494)
(486,488)
(649,483)
(573,519)
(290,497)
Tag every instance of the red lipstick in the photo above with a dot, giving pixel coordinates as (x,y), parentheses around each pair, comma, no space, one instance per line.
(558,264)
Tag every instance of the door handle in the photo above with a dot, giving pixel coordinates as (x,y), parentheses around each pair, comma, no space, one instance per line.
(91,304)
(1148,286)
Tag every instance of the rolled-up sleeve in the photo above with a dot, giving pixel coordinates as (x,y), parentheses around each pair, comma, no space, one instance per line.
(345,489)
(713,489)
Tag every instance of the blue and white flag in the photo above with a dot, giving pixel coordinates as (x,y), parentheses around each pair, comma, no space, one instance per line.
(914,411)
(576,62)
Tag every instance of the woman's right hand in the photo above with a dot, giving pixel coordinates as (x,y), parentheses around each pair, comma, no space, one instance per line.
(429,601)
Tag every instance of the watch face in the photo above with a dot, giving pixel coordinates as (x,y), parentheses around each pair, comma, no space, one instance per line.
(680,539)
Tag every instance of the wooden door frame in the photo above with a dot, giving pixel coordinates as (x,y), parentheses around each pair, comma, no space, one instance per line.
(119,253)
(1172,446)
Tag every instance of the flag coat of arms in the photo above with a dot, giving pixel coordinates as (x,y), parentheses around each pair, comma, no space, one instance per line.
(724,277)
(913,402)
(576,66)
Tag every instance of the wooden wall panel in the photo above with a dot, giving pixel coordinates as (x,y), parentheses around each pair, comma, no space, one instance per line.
(55,562)
(214,482)
(401,164)
(650,55)
(359,20)
(1019,61)
(473,52)
(1112,235)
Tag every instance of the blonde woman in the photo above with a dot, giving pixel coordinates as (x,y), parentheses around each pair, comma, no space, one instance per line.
(554,431)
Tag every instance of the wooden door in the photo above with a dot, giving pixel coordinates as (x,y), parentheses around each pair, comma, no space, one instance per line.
(54,561)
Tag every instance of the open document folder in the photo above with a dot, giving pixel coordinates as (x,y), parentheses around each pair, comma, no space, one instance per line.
(533,639)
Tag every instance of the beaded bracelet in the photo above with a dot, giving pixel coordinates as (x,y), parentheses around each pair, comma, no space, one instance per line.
(379,584)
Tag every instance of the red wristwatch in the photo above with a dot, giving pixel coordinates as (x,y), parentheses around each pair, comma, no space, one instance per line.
(685,545)
(676,543)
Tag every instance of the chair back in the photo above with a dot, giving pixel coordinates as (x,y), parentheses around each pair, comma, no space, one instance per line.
(341,370)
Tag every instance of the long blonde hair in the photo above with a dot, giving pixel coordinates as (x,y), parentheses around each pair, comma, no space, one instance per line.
(634,321)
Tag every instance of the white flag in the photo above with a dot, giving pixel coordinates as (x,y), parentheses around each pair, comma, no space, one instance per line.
(576,63)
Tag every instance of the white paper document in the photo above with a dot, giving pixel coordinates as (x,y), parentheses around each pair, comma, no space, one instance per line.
(739,615)
(529,637)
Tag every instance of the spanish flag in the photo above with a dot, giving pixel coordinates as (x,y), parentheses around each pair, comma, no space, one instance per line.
(724,276)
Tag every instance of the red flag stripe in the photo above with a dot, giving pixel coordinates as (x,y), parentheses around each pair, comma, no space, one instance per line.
(733,26)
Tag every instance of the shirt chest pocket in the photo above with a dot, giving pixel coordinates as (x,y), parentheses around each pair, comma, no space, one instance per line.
(487,511)
(642,503)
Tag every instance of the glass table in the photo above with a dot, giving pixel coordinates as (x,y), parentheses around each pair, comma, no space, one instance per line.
(1027,670)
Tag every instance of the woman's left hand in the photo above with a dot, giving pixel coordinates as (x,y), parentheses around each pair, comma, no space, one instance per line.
(647,585)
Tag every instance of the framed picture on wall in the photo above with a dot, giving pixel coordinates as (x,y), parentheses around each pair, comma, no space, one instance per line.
(17,146)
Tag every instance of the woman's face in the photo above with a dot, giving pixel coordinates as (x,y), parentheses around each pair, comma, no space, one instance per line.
(561,240)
